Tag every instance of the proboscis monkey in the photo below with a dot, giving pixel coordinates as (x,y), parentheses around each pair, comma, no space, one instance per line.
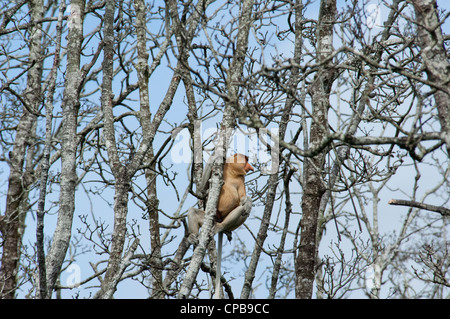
(233,205)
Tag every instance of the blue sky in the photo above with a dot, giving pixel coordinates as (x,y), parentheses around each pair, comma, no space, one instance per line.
(169,200)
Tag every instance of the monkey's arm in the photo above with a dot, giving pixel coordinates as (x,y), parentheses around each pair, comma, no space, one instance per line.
(207,171)
(195,221)
(235,218)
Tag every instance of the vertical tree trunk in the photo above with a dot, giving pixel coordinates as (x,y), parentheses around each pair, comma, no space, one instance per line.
(344,151)
(273,179)
(120,172)
(314,187)
(234,75)
(111,279)
(70,107)
(156,265)
(152,204)
(11,224)
(124,172)
(45,163)
(435,59)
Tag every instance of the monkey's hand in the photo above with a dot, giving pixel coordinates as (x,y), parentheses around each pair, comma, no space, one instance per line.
(246,203)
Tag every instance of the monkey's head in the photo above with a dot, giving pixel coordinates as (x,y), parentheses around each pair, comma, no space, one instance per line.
(240,163)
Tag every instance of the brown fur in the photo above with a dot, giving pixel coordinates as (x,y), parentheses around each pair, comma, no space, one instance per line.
(234,205)
(233,189)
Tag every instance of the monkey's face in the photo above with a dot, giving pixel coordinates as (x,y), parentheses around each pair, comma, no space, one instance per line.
(240,162)
(248,167)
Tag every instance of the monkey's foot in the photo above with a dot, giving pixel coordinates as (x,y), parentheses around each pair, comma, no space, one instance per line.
(229,236)
(193,239)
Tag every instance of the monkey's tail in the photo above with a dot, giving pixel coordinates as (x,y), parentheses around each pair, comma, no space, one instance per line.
(218,270)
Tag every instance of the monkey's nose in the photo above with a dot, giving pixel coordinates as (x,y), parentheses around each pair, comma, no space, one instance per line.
(248,167)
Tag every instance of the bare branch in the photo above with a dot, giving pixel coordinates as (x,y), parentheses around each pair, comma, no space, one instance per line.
(438,209)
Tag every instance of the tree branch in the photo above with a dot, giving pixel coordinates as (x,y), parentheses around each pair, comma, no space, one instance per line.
(438,209)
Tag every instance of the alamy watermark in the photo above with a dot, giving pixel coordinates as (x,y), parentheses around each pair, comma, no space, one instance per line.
(74,276)
(261,146)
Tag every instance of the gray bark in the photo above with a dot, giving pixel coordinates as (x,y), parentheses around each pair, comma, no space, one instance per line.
(142,68)
(120,172)
(313,188)
(273,179)
(234,75)
(45,164)
(433,208)
(343,152)
(70,106)
(205,233)
(437,65)
(20,178)
(123,173)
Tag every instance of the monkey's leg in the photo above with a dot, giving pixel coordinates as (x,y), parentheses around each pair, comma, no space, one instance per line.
(235,218)
(195,221)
